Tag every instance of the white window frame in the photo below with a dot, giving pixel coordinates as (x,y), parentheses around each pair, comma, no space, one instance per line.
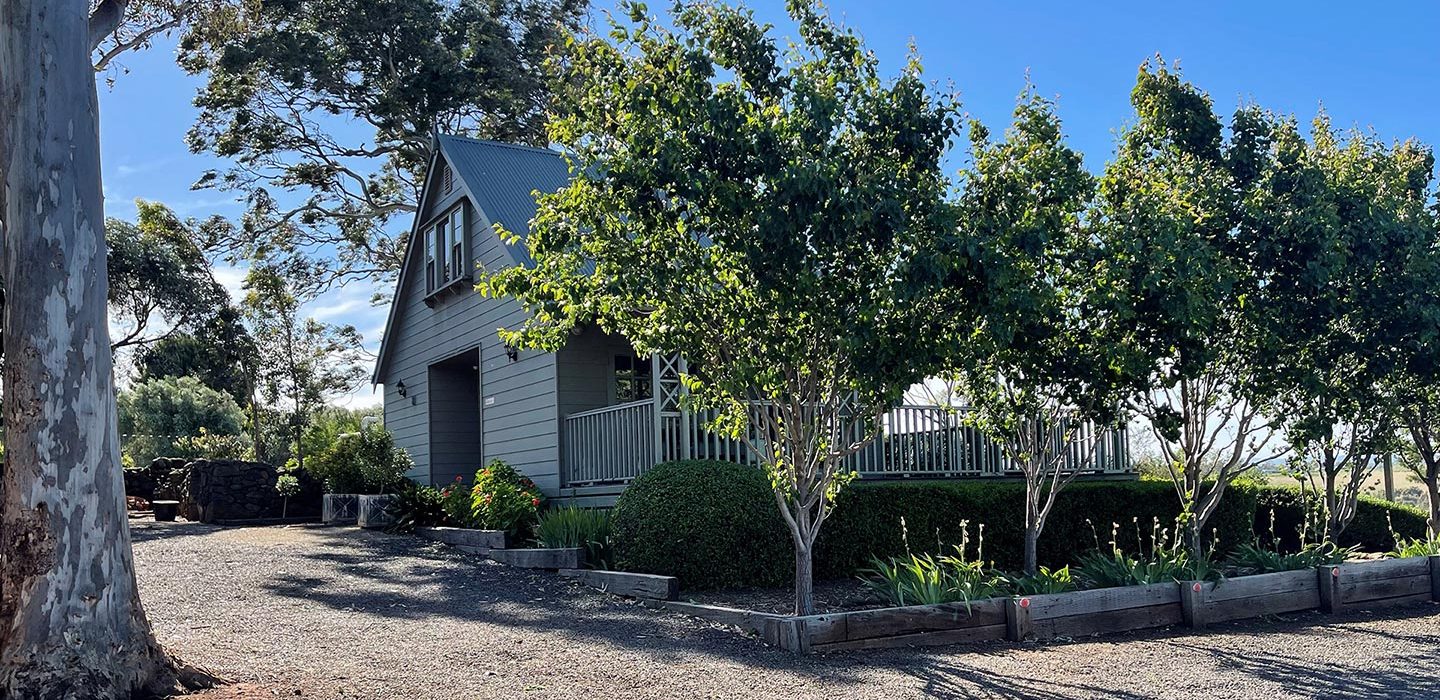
(447,249)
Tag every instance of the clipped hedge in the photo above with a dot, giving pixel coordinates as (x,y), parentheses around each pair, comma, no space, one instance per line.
(711,524)
(867,518)
(1370,529)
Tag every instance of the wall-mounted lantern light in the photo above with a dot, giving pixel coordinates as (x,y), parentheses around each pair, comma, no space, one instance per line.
(400,388)
(512,352)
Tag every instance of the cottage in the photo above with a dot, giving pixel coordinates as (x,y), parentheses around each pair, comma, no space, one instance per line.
(584,421)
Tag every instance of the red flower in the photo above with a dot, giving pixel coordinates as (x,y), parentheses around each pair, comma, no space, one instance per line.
(535,502)
(459,479)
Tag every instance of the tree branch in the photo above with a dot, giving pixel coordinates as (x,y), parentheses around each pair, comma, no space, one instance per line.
(105,20)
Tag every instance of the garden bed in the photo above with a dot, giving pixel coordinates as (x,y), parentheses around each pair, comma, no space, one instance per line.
(1352,585)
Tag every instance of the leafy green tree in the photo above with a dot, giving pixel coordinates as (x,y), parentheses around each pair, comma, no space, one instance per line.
(158,273)
(287,83)
(1345,219)
(219,352)
(1181,276)
(155,415)
(307,362)
(1036,374)
(139,22)
(771,214)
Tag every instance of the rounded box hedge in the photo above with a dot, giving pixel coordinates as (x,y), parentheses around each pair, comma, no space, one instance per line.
(710,524)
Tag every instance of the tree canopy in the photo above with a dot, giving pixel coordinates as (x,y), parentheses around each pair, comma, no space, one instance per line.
(284,78)
(774,215)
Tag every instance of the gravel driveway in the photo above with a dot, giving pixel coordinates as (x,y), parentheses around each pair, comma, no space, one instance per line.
(343,613)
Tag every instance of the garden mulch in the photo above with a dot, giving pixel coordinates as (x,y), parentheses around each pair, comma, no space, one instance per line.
(303,611)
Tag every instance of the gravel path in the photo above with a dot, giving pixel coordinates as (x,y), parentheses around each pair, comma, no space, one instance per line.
(342,613)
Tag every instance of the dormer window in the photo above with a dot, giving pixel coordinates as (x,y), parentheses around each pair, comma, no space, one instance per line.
(447,250)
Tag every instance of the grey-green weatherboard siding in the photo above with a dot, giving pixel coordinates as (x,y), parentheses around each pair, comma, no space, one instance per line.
(518,413)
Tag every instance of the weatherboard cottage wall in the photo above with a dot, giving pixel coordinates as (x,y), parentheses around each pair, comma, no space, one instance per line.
(518,412)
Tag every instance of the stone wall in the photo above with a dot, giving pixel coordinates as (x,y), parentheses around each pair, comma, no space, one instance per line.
(212,490)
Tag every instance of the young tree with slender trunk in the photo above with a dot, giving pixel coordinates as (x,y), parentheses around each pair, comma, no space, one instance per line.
(71,622)
(775,216)
(1180,275)
(1345,220)
(1033,378)
(308,363)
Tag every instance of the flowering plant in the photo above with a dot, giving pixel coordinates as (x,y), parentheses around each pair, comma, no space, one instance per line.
(504,499)
(455,503)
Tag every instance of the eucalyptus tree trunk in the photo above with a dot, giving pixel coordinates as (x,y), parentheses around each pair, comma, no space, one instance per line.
(71,623)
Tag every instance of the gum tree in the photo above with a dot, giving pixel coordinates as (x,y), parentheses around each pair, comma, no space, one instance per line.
(71,622)
(1181,275)
(771,214)
(1035,375)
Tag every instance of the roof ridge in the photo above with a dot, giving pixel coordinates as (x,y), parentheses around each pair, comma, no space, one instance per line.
(502,144)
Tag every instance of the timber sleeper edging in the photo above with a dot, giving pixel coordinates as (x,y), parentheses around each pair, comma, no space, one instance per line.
(1194,604)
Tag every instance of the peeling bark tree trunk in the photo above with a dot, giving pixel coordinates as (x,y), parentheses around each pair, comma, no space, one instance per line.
(71,623)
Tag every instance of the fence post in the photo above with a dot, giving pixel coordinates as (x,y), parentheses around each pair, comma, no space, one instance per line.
(1192,603)
(1017,618)
(1435,577)
(1329,588)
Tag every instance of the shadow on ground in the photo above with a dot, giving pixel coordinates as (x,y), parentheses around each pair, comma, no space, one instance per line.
(396,578)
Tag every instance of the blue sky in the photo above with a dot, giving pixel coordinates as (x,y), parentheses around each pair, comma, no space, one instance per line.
(1374,65)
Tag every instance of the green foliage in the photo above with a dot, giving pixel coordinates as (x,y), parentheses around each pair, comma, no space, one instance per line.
(157,272)
(1375,527)
(306,362)
(1044,580)
(1254,559)
(287,485)
(1406,547)
(218,351)
(586,528)
(503,499)
(400,70)
(868,515)
(363,462)
(456,503)
(795,256)
(1116,568)
(711,524)
(158,412)
(416,506)
(925,579)
(208,445)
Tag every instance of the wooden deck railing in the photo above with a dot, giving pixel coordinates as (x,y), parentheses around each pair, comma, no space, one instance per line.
(618,443)
(609,445)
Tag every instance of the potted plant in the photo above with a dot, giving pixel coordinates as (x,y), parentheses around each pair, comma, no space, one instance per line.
(361,472)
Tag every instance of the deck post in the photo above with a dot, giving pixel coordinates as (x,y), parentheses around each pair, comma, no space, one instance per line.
(1192,603)
(1329,588)
(657,395)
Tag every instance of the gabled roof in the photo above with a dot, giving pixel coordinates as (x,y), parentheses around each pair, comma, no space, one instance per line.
(500,180)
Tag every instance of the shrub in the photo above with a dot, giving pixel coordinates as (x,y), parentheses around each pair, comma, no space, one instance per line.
(711,524)
(586,528)
(503,499)
(415,506)
(866,520)
(1371,530)
(455,503)
(363,462)
(156,412)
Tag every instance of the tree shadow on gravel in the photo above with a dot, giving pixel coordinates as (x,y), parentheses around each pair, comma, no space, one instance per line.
(1308,678)
(402,578)
(411,579)
(149,530)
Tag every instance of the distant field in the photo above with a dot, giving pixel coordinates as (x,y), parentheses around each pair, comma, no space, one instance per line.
(1408,487)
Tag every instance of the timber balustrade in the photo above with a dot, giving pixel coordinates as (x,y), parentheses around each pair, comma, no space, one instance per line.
(615,444)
